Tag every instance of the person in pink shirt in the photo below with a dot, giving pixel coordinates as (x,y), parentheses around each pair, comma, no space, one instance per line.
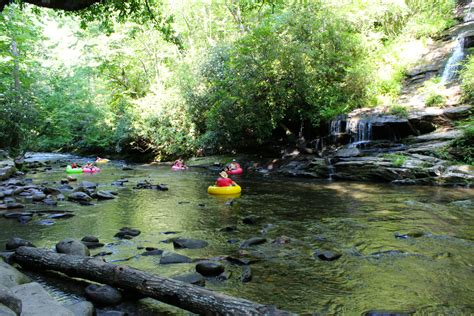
(224,180)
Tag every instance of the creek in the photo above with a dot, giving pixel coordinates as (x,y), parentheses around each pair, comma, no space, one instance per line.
(427,268)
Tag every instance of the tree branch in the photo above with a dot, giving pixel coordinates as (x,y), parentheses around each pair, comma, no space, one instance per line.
(66,5)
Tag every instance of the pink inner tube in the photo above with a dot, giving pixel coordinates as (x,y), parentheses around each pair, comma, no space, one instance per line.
(91,170)
(179,168)
(236,171)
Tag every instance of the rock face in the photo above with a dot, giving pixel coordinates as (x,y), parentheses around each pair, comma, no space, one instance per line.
(7,166)
(37,302)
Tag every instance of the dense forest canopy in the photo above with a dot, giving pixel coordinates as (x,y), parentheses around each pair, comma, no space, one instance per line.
(168,78)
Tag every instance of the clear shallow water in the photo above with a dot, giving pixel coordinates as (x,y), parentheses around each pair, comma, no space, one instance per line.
(428,274)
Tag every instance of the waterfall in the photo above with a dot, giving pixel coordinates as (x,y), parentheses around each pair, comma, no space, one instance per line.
(452,66)
(335,127)
(469,12)
(361,131)
(330,168)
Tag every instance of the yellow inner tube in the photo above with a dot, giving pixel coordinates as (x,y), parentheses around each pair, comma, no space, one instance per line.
(224,190)
(103,160)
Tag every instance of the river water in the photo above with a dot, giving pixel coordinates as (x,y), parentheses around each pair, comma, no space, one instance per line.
(430,273)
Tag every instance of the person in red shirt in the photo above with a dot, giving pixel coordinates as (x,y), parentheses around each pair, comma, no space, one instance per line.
(224,180)
(234,165)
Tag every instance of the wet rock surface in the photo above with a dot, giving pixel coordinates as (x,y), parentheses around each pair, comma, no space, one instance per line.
(209,268)
(105,295)
(16,242)
(253,241)
(37,301)
(327,255)
(180,243)
(171,258)
(72,247)
(191,278)
(127,233)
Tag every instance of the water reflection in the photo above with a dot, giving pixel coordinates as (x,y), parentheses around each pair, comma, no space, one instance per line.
(431,272)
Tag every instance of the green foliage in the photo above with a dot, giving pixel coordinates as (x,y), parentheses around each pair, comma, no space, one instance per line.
(435,99)
(398,110)
(302,66)
(463,148)
(467,80)
(397,160)
(167,79)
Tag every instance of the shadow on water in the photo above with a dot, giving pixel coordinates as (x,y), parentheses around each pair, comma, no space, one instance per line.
(428,267)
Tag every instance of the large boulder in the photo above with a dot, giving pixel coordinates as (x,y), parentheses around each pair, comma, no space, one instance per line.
(5,311)
(7,168)
(72,247)
(37,302)
(10,277)
(9,300)
(84,308)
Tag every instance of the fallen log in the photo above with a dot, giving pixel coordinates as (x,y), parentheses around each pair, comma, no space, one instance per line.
(183,295)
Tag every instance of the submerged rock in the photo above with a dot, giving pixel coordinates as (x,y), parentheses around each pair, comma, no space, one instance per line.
(209,268)
(79,196)
(253,241)
(171,257)
(155,252)
(246,275)
(104,195)
(228,229)
(180,243)
(251,219)
(414,234)
(327,255)
(127,233)
(191,278)
(103,295)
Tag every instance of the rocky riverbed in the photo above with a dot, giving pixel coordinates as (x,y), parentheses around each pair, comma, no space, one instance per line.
(271,245)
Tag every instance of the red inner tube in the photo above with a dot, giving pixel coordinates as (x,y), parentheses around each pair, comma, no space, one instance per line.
(236,171)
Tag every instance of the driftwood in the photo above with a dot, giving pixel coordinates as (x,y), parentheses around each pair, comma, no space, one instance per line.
(186,296)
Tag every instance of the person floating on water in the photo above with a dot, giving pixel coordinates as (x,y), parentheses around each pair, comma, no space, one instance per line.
(224,180)
(89,165)
(234,165)
(179,163)
(74,165)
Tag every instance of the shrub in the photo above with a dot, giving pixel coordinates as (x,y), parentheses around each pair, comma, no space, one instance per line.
(467,80)
(397,160)
(435,99)
(398,110)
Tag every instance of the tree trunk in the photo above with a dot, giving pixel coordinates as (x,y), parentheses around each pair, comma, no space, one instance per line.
(173,292)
